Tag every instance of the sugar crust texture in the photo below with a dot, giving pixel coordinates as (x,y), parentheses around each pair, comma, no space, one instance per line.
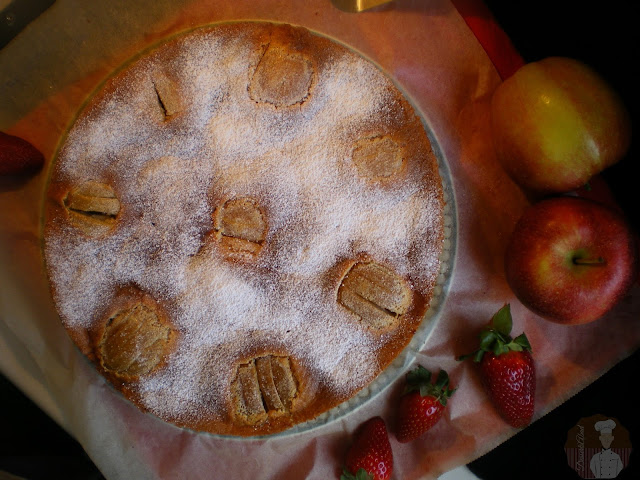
(284,129)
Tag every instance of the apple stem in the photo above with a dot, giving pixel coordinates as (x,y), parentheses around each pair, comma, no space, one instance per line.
(589,261)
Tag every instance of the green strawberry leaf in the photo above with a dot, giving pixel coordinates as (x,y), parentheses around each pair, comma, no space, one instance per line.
(499,348)
(346,474)
(478,356)
(487,337)
(502,321)
(514,346)
(445,395)
(419,380)
(361,474)
(461,358)
(442,380)
(418,376)
(426,390)
(523,341)
(496,338)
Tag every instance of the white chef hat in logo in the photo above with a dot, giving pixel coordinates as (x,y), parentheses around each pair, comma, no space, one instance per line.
(605,426)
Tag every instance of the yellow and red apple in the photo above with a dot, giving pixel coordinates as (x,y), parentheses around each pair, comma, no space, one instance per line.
(556,123)
(571,260)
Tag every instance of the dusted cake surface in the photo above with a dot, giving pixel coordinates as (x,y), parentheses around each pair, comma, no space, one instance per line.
(244,227)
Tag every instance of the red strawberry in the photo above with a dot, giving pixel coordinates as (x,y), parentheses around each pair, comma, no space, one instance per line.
(422,404)
(17,156)
(507,369)
(370,455)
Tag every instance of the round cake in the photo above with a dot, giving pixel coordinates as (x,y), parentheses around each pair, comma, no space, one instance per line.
(243,227)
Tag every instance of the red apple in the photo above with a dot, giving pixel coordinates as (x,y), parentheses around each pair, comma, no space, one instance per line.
(556,123)
(570,260)
(18,157)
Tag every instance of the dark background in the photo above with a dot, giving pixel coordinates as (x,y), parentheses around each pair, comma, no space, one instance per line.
(606,36)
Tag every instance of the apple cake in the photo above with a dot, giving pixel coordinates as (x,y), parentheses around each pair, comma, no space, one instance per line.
(243,227)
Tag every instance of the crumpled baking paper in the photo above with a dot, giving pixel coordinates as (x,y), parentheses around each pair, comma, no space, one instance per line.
(47,72)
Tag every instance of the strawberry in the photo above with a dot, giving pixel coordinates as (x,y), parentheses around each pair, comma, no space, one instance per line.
(370,456)
(507,369)
(422,403)
(17,156)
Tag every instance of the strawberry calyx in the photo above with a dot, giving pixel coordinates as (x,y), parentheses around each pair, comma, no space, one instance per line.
(419,379)
(496,337)
(361,474)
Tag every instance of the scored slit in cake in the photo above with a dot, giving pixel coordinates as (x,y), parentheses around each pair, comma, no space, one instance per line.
(243,227)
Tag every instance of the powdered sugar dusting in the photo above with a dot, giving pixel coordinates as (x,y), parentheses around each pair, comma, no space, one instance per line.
(295,162)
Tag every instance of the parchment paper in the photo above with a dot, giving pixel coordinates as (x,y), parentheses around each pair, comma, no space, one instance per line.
(53,65)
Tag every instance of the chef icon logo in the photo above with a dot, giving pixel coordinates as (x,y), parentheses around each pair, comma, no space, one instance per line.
(598,447)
